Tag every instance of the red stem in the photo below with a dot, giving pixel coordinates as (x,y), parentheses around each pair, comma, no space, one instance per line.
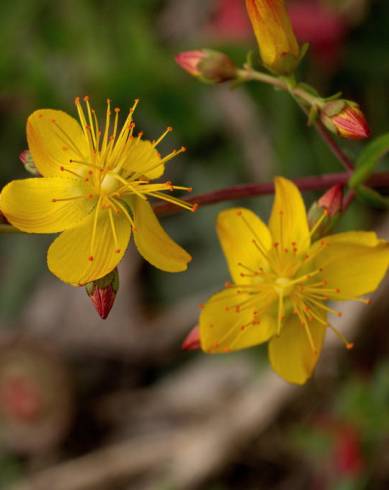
(334,147)
(250,190)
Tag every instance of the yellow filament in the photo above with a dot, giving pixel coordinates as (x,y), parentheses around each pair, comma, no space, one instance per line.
(174,200)
(125,212)
(163,136)
(68,198)
(318,222)
(67,140)
(91,122)
(341,337)
(93,238)
(115,238)
(81,114)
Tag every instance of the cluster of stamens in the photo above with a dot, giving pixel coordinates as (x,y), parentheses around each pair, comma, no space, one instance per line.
(103,170)
(286,283)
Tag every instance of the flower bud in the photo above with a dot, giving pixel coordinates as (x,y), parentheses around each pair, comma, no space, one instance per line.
(345,119)
(325,212)
(103,293)
(278,46)
(208,65)
(192,341)
(26,158)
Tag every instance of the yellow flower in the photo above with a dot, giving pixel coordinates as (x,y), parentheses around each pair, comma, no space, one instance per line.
(95,189)
(282,283)
(279,49)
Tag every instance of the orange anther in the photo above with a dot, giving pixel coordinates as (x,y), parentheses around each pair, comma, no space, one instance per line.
(91,258)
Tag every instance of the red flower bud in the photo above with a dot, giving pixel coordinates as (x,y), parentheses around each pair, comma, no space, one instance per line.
(192,341)
(345,119)
(103,293)
(208,65)
(324,213)
(332,200)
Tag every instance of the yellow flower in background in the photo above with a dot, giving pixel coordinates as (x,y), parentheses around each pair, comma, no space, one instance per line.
(282,283)
(95,189)
(279,49)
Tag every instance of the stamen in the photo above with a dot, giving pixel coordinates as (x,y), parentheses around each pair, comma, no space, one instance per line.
(63,169)
(107,124)
(163,161)
(163,136)
(81,114)
(93,238)
(318,222)
(309,298)
(91,122)
(87,164)
(68,140)
(67,199)
(300,313)
(341,337)
(174,200)
(115,238)
(126,213)
(281,311)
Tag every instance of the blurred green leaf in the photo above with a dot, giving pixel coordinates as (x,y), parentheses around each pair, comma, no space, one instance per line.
(369,159)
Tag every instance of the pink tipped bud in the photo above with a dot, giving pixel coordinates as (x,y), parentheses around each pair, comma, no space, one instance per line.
(208,65)
(192,341)
(26,158)
(103,293)
(332,200)
(324,213)
(345,119)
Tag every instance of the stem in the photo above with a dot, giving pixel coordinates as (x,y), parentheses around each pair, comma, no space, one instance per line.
(334,147)
(299,94)
(233,193)
(248,74)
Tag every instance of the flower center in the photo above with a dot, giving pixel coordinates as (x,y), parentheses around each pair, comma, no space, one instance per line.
(286,283)
(116,164)
(109,184)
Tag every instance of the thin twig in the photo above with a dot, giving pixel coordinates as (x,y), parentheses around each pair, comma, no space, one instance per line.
(334,147)
(251,190)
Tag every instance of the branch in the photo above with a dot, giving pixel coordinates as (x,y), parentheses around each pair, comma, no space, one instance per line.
(235,192)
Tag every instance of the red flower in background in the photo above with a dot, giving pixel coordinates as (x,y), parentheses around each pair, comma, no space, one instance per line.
(230,21)
(321,26)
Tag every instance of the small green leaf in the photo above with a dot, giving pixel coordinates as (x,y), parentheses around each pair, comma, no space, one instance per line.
(372,197)
(369,159)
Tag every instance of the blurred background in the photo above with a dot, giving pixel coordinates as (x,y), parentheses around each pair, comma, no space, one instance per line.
(87,404)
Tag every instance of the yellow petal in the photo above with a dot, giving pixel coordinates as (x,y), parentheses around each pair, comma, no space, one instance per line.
(54,138)
(28,204)
(69,256)
(143,160)
(237,228)
(291,354)
(354,263)
(153,242)
(288,221)
(224,330)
